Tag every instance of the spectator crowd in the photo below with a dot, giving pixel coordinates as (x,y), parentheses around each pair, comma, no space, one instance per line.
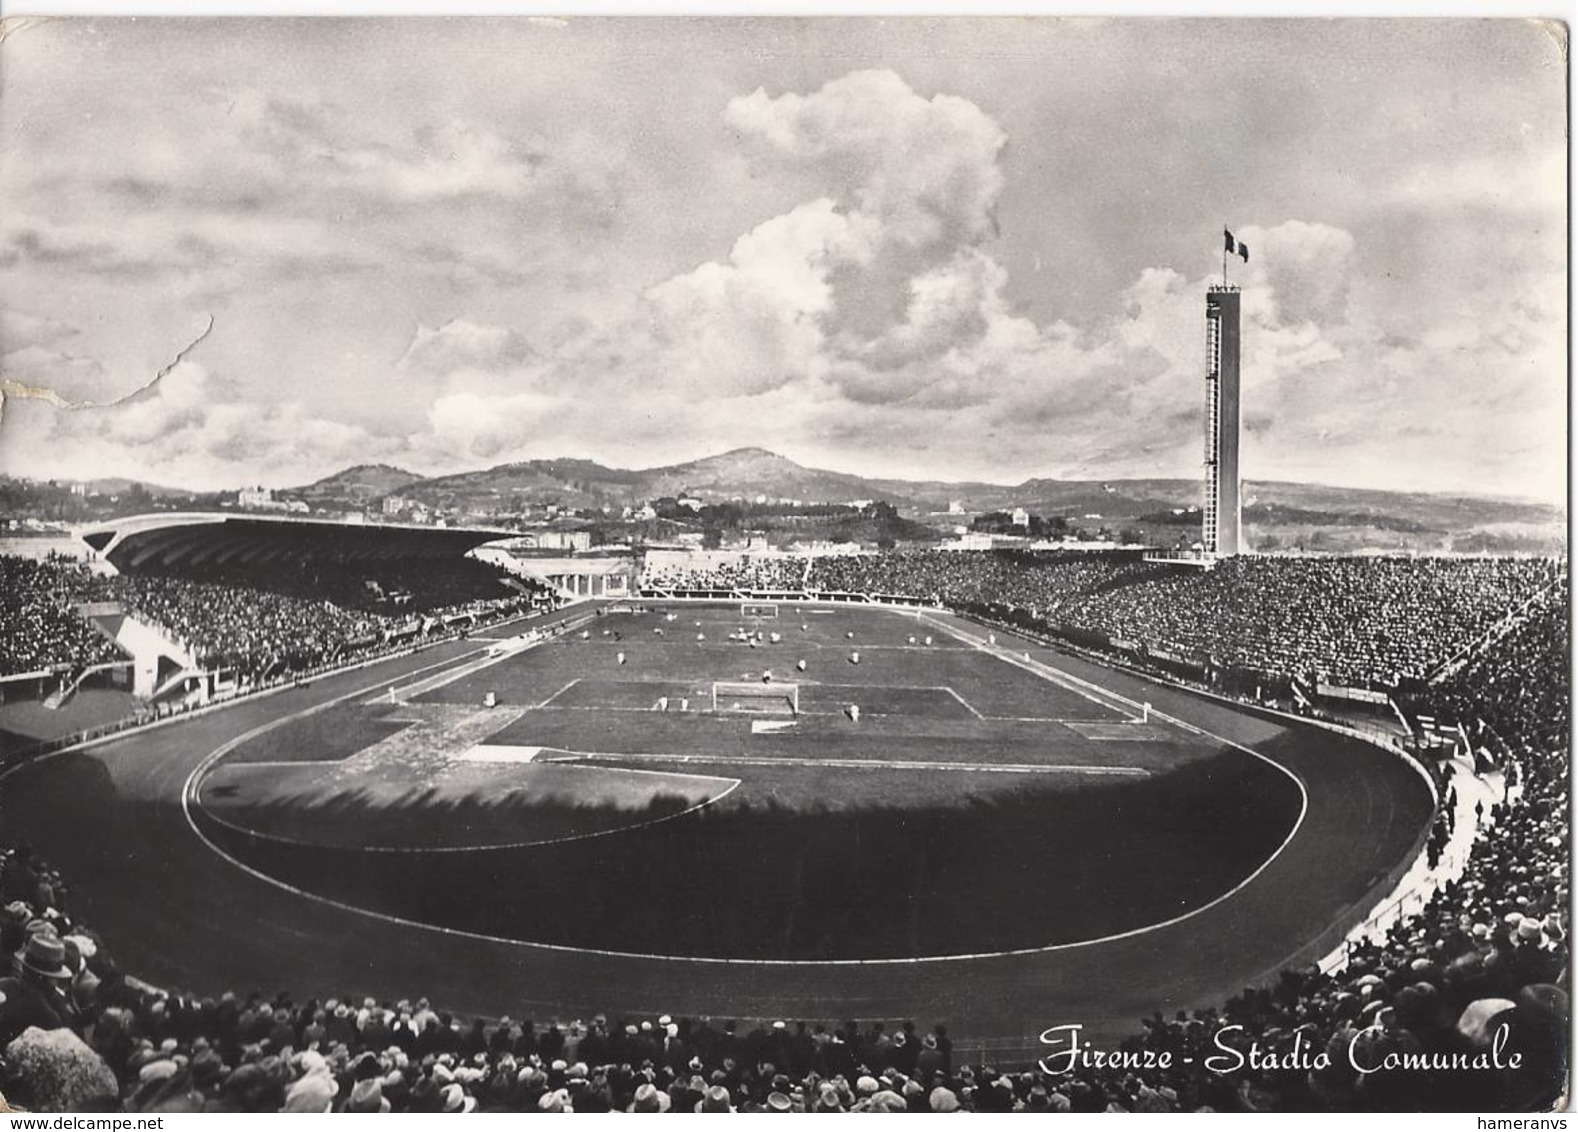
(38,629)
(1480,973)
(1361,621)
(249,620)
(722,571)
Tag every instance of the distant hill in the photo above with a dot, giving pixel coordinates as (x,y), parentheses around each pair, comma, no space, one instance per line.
(749,472)
(360,484)
(115,486)
(510,487)
(1278,515)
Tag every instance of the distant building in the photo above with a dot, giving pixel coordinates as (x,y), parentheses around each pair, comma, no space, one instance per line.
(394,504)
(262,499)
(1020,517)
(691,502)
(956,507)
(555,540)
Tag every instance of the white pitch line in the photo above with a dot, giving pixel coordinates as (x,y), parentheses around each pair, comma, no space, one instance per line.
(559,693)
(1092,692)
(962,701)
(858,764)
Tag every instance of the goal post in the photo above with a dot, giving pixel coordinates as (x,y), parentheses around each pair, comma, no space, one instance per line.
(755,696)
(760,609)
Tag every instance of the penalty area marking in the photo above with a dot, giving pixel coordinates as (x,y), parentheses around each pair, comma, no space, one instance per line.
(964,703)
(1096,694)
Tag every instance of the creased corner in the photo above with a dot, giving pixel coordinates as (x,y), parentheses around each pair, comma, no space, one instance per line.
(9,388)
(16,25)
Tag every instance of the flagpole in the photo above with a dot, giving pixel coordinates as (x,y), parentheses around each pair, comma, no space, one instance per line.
(1224,253)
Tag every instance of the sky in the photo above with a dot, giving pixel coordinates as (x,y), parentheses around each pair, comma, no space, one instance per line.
(921,248)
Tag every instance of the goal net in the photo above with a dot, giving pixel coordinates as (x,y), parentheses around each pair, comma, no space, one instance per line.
(759,609)
(757,697)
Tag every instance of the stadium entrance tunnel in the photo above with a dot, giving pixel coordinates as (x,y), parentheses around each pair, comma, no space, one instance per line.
(965,866)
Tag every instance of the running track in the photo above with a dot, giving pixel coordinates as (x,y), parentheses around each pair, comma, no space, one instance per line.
(178,915)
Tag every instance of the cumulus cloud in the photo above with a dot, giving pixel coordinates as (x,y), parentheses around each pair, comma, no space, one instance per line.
(926,169)
(470,426)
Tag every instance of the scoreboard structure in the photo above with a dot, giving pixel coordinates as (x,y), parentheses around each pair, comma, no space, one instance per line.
(1222,514)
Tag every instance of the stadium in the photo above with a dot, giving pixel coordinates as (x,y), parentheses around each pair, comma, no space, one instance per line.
(402,712)
(800,804)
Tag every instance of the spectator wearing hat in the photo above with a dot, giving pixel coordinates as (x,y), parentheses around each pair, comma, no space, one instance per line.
(367,1096)
(454,1098)
(715,1099)
(39,993)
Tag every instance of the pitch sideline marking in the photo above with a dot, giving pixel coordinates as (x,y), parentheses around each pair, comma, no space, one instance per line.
(850,764)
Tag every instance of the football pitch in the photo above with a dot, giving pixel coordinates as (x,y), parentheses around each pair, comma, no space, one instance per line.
(934,792)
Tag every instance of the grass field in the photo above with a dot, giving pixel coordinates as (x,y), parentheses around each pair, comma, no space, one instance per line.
(978,804)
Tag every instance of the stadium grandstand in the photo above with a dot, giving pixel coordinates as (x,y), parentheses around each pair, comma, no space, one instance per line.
(180,610)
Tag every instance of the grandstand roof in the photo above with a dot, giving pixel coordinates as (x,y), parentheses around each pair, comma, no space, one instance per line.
(190,539)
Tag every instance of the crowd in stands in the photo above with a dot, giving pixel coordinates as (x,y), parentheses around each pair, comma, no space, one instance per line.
(1480,974)
(252,621)
(724,571)
(1048,583)
(38,629)
(1360,621)
(1342,620)
(1506,687)
(238,627)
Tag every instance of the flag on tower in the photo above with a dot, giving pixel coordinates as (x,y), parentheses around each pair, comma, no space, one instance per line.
(1243,250)
(1228,236)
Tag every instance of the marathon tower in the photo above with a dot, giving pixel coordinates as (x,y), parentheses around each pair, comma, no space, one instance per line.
(1222,515)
